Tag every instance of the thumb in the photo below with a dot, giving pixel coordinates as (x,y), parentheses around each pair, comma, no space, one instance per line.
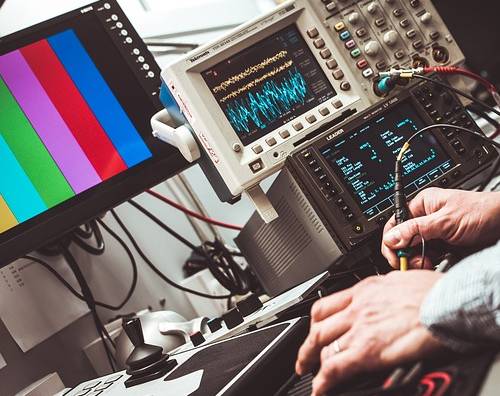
(404,234)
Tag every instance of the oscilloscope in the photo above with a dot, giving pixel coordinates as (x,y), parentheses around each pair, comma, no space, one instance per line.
(335,193)
(260,92)
(273,84)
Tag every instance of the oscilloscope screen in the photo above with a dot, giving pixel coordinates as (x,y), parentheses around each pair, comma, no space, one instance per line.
(365,157)
(268,84)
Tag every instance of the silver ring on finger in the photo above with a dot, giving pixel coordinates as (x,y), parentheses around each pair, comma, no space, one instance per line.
(336,346)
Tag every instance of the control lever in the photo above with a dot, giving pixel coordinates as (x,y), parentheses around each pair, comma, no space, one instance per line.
(146,362)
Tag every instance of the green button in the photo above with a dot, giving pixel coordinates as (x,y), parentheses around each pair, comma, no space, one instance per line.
(355,52)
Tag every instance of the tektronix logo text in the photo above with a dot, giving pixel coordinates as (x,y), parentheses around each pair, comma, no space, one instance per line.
(196,57)
(334,134)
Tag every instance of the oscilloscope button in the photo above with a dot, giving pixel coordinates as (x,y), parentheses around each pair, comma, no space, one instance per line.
(313,32)
(434,35)
(337,74)
(339,26)
(398,12)
(311,118)
(361,32)
(411,33)
(324,111)
(331,63)
(399,54)
(331,6)
(340,202)
(337,104)
(257,149)
(298,126)
(256,166)
(404,23)
(325,53)
(319,43)
(379,22)
(345,86)
(367,73)
(271,141)
(284,134)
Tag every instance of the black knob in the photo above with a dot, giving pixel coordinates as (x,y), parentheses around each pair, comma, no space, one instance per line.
(232,318)
(214,324)
(197,338)
(249,305)
(133,329)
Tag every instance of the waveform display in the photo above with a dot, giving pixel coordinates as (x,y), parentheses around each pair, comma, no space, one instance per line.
(365,157)
(268,84)
(249,71)
(269,103)
(257,81)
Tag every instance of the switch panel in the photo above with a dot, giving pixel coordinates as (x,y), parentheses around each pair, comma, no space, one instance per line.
(385,34)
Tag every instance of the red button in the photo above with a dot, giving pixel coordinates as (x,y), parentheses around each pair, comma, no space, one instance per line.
(362,64)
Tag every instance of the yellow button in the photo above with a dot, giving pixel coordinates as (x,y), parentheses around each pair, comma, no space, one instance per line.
(339,26)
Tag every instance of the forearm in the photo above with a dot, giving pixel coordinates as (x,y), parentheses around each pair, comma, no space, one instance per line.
(463,308)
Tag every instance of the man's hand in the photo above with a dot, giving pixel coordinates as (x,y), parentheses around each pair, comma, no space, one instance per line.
(456,217)
(376,325)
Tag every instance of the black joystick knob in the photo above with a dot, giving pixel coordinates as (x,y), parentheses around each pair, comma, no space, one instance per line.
(143,354)
(146,362)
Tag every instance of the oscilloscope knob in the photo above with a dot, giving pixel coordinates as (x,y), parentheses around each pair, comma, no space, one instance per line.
(390,38)
(354,18)
(372,48)
(372,7)
(426,17)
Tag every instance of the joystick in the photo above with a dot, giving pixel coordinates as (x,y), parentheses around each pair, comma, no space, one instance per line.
(146,362)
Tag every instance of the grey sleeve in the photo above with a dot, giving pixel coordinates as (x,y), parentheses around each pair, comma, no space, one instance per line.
(463,307)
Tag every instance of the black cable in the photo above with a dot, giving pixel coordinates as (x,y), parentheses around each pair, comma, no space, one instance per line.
(155,269)
(56,274)
(134,268)
(71,289)
(219,272)
(459,92)
(483,114)
(493,171)
(160,223)
(449,126)
(89,299)
(86,232)
(96,232)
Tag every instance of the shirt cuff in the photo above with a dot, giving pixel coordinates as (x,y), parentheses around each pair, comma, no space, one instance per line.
(462,310)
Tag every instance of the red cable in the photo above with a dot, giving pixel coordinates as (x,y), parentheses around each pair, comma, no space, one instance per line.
(429,384)
(441,375)
(458,70)
(192,213)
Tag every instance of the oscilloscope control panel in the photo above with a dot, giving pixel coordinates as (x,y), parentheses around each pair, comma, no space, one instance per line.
(260,92)
(375,35)
(348,173)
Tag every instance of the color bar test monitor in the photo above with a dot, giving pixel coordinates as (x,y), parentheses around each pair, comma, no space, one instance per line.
(76,96)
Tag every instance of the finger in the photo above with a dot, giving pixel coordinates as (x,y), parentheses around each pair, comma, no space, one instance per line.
(327,306)
(417,263)
(337,368)
(390,255)
(391,223)
(321,334)
(405,234)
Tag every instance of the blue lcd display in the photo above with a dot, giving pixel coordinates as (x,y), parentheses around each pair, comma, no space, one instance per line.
(365,158)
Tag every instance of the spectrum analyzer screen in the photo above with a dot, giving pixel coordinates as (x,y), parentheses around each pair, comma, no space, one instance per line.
(73,115)
(365,156)
(268,84)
